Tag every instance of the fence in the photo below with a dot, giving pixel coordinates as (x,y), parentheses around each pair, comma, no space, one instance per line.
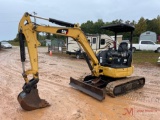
(55,48)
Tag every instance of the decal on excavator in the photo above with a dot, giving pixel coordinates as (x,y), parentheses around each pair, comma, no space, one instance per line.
(62,31)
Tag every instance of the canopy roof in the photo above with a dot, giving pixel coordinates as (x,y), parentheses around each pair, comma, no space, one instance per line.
(119,28)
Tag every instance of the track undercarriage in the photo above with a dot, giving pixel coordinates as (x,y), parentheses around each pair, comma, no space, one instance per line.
(97,87)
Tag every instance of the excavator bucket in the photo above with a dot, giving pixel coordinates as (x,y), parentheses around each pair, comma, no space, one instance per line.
(93,91)
(31,101)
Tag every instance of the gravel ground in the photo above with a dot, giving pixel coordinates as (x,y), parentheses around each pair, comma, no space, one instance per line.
(68,103)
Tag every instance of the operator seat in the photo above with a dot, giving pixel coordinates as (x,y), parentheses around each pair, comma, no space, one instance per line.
(123,47)
(126,54)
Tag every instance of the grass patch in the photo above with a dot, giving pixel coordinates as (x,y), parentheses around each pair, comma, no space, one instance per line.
(142,57)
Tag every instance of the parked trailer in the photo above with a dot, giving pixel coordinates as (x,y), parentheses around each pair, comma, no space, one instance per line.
(96,42)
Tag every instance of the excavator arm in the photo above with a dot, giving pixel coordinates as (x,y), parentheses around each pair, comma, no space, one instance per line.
(28,32)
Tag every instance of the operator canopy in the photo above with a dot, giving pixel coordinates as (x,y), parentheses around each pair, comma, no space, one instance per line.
(119,28)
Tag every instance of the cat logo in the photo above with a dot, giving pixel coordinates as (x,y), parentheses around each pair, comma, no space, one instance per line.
(62,31)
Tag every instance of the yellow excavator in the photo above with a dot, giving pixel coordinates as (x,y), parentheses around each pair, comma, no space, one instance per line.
(109,68)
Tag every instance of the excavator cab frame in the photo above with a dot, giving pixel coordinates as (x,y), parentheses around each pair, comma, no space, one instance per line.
(121,28)
(123,46)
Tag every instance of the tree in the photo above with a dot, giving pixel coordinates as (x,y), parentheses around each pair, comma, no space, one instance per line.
(133,23)
(16,39)
(117,21)
(151,25)
(97,25)
(158,25)
(92,28)
(140,27)
(154,25)
(87,27)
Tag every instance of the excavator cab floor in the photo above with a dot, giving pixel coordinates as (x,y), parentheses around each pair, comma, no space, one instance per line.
(31,101)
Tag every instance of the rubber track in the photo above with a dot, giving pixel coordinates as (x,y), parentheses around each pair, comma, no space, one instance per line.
(110,86)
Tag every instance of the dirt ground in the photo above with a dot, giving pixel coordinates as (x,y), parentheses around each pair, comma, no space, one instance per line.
(68,103)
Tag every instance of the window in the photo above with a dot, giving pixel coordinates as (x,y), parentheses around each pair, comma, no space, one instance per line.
(144,42)
(151,43)
(147,42)
(94,40)
(89,40)
(102,41)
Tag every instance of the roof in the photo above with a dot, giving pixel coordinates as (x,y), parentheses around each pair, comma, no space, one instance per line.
(119,28)
(148,33)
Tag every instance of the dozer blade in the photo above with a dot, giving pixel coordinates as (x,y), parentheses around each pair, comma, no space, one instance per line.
(88,89)
(31,101)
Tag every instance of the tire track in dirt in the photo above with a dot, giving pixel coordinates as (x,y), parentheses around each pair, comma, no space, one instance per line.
(9,74)
(67,102)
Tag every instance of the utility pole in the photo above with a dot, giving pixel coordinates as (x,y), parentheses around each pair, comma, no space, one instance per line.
(34,17)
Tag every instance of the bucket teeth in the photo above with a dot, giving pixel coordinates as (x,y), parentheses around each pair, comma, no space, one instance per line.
(31,101)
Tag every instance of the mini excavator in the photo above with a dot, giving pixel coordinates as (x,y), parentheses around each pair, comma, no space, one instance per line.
(111,69)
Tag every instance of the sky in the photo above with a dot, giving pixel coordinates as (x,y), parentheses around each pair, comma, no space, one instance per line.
(73,11)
